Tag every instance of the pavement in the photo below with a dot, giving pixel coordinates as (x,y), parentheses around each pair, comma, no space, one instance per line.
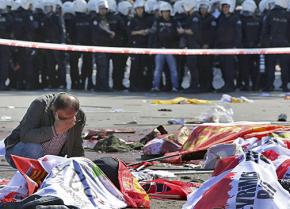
(115,109)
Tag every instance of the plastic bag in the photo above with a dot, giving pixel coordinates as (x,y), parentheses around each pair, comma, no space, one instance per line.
(219,113)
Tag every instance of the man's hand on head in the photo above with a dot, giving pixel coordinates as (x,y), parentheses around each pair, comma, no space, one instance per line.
(61,126)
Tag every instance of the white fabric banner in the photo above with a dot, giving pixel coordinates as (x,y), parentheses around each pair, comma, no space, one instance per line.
(79,182)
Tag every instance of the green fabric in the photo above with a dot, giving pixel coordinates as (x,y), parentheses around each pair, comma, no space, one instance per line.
(114,144)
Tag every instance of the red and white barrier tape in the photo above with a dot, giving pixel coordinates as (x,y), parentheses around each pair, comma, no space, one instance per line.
(123,50)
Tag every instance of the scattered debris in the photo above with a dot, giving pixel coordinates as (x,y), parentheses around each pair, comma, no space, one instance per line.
(98,107)
(282,117)
(5,118)
(265,94)
(176,122)
(165,110)
(166,143)
(161,145)
(93,134)
(219,113)
(148,174)
(229,99)
(115,144)
(160,130)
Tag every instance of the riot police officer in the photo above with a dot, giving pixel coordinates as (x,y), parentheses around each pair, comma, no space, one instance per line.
(276,30)
(190,38)
(228,35)
(68,16)
(249,64)
(22,29)
(38,55)
(104,30)
(53,30)
(5,32)
(82,34)
(141,68)
(207,34)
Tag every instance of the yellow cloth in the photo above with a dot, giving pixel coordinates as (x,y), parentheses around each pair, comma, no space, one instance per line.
(181,100)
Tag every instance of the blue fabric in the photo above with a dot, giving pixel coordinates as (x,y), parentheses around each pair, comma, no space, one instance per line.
(160,60)
(29,150)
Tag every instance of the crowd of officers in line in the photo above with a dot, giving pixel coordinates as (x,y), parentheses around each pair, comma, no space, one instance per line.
(183,24)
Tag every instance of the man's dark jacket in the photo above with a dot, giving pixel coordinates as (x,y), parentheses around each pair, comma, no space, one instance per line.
(36,127)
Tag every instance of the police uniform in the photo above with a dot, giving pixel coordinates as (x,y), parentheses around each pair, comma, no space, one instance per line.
(82,34)
(119,60)
(249,64)
(141,68)
(192,42)
(181,60)
(53,30)
(69,39)
(102,36)
(228,35)
(5,32)
(38,55)
(276,31)
(205,63)
(60,55)
(22,29)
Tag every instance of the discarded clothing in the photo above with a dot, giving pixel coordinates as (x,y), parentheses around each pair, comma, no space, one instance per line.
(230,99)
(181,100)
(114,144)
(38,202)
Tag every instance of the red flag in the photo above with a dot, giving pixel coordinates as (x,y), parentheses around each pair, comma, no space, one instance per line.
(133,192)
(32,171)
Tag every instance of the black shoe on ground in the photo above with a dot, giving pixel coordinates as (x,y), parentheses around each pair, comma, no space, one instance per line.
(191,91)
(225,90)
(268,89)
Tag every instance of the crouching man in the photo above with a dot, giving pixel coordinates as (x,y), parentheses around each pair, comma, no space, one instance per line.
(52,125)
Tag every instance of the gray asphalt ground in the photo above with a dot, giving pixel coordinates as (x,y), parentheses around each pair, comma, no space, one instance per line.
(113,110)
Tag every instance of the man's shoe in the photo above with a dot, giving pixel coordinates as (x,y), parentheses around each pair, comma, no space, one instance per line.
(191,91)
(268,89)
(155,89)
(225,90)
(174,90)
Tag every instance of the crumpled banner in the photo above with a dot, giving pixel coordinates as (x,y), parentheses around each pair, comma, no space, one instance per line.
(181,100)
(77,181)
(253,183)
(204,137)
(81,183)
(249,180)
